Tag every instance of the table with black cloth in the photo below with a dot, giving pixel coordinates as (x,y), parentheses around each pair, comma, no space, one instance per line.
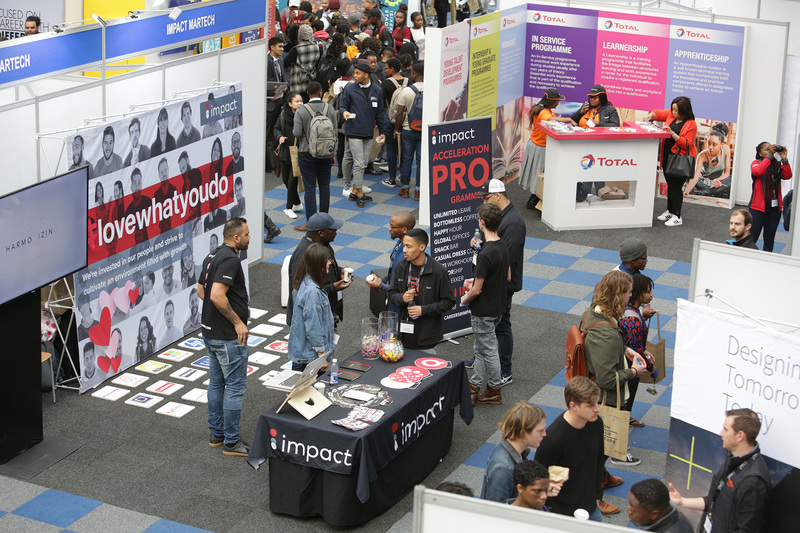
(349,477)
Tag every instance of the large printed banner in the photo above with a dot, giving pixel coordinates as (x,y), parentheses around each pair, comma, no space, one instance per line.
(484,51)
(727,362)
(162,184)
(452,103)
(14,13)
(460,162)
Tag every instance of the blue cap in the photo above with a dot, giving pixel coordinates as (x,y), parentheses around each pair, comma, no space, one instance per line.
(321,221)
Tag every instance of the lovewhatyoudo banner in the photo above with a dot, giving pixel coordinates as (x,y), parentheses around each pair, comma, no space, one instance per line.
(161,186)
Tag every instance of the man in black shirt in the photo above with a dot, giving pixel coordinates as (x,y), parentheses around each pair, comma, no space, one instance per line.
(737,497)
(650,509)
(139,202)
(321,229)
(163,193)
(486,296)
(421,290)
(575,440)
(223,289)
(740,224)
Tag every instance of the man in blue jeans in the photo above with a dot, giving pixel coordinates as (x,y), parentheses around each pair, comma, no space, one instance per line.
(411,139)
(223,289)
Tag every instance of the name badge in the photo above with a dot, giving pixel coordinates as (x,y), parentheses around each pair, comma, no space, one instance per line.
(335,338)
(590,123)
(407,327)
(773,203)
(339,295)
(707,525)
(374,104)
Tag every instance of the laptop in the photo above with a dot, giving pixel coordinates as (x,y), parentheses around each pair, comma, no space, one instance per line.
(287,380)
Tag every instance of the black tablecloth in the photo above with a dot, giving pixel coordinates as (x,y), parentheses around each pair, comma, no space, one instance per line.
(320,444)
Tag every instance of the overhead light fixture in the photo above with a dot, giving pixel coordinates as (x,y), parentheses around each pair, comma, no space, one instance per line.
(99,20)
(175,13)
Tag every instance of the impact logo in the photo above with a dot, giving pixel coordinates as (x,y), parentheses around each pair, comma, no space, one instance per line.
(450,40)
(680,32)
(587,162)
(222,107)
(307,452)
(452,138)
(411,430)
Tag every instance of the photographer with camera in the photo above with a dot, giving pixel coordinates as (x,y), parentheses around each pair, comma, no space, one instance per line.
(766,202)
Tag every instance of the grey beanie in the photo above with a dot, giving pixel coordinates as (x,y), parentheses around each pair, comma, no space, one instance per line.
(631,249)
(305,33)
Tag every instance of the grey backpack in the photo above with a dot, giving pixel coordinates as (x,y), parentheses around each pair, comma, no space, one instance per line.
(321,134)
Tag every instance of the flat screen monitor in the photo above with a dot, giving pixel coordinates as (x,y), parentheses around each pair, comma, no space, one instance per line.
(43,233)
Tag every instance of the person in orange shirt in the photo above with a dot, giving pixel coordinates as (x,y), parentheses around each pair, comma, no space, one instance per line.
(680,124)
(533,161)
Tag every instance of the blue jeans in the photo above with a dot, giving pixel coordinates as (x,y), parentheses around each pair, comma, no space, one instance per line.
(227,383)
(391,155)
(316,173)
(505,339)
(412,144)
(596,515)
(487,362)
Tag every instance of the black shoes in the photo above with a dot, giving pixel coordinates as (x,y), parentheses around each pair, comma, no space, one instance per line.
(240,449)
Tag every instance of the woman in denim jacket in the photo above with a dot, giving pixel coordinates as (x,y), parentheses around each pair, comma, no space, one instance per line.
(312,336)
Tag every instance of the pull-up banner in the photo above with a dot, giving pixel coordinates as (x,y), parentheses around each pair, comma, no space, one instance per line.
(161,185)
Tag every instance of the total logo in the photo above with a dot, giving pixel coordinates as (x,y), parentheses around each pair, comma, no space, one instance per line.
(479,30)
(609,24)
(411,430)
(588,162)
(307,452)
(548,18)
(509,21)
(450,40)
(537,17)
(680,32)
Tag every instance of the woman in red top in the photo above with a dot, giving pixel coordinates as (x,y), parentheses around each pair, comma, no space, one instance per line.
(401,32)
(766,202)
(679,122)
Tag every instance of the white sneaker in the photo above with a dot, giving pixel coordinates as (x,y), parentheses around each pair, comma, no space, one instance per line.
(674,221)
(365,189)
(289,213)
(297,208)
(347,189)
(663,217)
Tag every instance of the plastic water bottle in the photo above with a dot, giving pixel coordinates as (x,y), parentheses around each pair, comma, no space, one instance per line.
(477,238)
(412,304)
(334,372)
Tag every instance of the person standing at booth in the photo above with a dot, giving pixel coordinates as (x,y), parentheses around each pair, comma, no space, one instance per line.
(533,161)
(679,123)
(766,201)
(596,113)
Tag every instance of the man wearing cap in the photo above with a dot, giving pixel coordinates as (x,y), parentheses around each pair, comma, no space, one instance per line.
(411,139)
(291,15)
(322,230)
(362,108)
(633,254)
(512,232)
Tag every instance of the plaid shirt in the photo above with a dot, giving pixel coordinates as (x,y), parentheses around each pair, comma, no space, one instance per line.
(305,67)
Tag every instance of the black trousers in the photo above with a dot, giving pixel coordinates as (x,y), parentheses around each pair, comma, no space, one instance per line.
(674,194)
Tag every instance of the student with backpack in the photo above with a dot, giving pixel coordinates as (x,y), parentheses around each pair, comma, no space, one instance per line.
(409,121)
(315,128)
(392,87)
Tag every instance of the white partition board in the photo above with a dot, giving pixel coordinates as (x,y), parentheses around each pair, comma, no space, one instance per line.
(762,285)
(19,168)
(247,66)
(64,112)
(122,92)
(195,73)
(436,511)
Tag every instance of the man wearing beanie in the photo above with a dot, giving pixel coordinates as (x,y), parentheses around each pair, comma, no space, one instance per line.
(362,108)
(633,254)
(302,61)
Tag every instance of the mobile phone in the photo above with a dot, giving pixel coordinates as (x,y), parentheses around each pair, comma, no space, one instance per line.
(353,365)
(348,376)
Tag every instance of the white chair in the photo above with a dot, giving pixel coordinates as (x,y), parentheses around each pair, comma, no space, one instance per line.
(285,281)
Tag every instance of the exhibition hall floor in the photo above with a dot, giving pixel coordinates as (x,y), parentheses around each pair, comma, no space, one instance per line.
(136,470)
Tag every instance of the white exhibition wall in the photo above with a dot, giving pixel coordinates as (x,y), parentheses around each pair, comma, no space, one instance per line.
(65,105)
(764,65)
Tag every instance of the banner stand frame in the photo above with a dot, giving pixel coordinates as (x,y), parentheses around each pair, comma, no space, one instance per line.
(59,303)
(710,294)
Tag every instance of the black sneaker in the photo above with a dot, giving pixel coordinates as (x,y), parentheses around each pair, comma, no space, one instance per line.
(215,442)
(241,449)
(506,380)
(629,461)
(469,363)
(362,201)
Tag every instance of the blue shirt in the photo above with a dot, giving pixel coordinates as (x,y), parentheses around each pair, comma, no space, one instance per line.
(395,257)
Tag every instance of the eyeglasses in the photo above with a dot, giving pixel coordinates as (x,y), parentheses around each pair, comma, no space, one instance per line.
(392,226)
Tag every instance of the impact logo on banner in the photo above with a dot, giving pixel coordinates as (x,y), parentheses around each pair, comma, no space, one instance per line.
(220,108)
(411,430)
(308,452)
(680,32)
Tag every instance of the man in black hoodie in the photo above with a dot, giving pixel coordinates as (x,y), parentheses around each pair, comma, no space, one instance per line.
(421,290)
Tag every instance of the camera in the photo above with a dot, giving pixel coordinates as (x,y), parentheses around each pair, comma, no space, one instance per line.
(779,148)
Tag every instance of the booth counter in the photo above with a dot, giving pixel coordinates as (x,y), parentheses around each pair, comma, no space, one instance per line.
(618,163)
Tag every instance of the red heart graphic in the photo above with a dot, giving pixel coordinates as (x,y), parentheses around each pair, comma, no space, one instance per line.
(133,295)
(100,334)
(115,362)
(104,363)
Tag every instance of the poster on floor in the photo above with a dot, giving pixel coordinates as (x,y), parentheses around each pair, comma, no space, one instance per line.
(743,364)
(460,162)
(162,184)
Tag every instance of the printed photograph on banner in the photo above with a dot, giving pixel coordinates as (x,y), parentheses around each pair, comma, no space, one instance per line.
(454,92)
(507,142)
(162,186)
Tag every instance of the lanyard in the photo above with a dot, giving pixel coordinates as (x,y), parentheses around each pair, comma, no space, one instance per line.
(419,276)
(726,480)
(397,247)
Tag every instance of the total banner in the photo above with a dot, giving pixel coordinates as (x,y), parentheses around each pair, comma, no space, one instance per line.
(162,184)
(724,362)
(460,155)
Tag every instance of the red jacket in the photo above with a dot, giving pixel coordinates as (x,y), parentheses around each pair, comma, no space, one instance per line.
(758,169)
(685,142)
(287,20)
(401,36)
